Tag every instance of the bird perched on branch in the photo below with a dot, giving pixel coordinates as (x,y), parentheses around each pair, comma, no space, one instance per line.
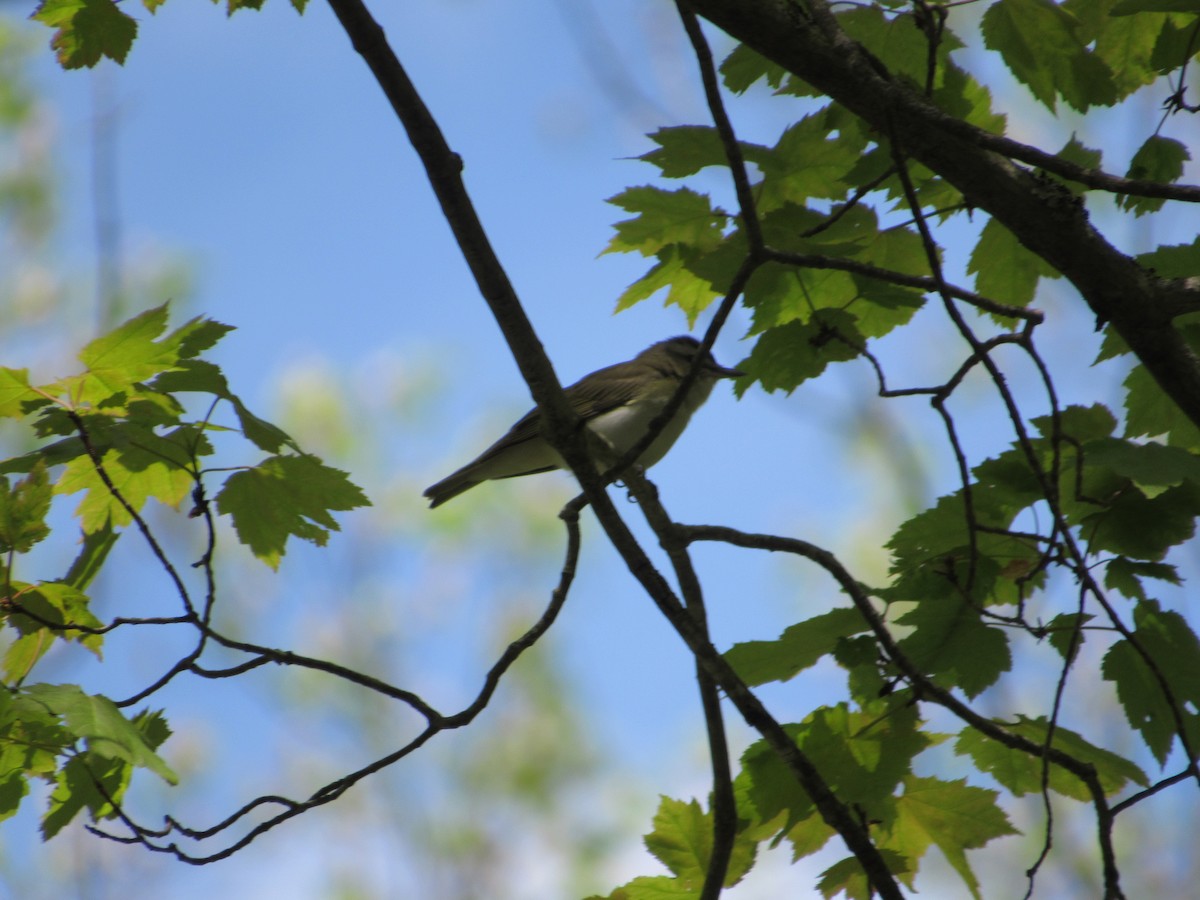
(617,403)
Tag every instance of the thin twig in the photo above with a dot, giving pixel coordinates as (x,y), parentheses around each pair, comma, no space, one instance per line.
(155,548)
(920,282)
(724,804)
(435,724)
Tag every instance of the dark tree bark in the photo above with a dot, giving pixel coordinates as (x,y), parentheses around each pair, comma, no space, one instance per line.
(807,41)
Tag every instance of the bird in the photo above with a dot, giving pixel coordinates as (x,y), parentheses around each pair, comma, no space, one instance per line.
(617,403)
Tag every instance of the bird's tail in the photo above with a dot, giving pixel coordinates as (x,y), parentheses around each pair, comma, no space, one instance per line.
(451,486)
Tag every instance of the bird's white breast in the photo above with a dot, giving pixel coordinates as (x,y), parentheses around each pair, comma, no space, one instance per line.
(624,426)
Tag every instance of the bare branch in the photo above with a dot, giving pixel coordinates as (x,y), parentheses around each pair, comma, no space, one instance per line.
(724,804)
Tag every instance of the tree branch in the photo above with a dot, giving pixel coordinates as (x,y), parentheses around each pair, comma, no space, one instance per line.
(808,42)
(925,688)
(724,803)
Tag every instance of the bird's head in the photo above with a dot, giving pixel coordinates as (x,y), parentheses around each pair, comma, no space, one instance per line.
(676,355)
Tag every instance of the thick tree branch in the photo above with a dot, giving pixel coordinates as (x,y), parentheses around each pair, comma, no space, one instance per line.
(808,42)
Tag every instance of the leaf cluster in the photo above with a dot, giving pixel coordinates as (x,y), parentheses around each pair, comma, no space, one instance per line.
(119,433)
(833,246)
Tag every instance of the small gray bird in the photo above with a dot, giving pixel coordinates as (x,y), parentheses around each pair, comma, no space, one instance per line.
(617,403)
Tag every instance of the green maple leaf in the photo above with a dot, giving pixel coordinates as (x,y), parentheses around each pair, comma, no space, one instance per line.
(53,602)
(1174,261)
(898,42)
(951,642)
(133,353)
(799,647)
(951,815)
(1125,575)
(31,736)
(863,756)
(23,510)
(1085,157)
(1021,773)
(1153,467)
(686,149)
(1170,642)
(654,887)
(197,375)
(664,218)
(86,781)
(92,553)
(848,877)
(16,394)
(744,66)
(286,496)
(1126,44)
(811,159)
(690,292)
(1144,527)
(1004,270)
(789,354)
(100,723)
(781,294)
(141,467)
(1150,412)
(963,96)
(87,31)
(1040,43)
(682,841)
(1158,159)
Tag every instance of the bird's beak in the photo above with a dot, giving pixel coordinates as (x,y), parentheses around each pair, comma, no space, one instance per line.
(722,372)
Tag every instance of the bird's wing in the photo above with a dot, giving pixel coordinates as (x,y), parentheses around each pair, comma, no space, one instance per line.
(587,398)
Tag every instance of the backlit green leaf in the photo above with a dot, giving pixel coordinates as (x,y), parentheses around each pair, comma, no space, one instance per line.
(141,467)
(1004,270)
(1169,641)
(1143,527)
(744,66)
(898,43)
(799,647)
(1173,260)
(848,878)
(99,722)
(682,841)
(15,392)
(951,642)
(1125,575)
(790,354)
(951,815)
(91,556)
(1039,42)
(1021,773)
(87,30)
(1158,159)
(86,781)
(810,160)
(686,149)
(1152,466)
(23,509)
(1126,44)
(286,496)
(664,218)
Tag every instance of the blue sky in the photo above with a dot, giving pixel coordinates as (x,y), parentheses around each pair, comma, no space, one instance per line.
(260,149)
